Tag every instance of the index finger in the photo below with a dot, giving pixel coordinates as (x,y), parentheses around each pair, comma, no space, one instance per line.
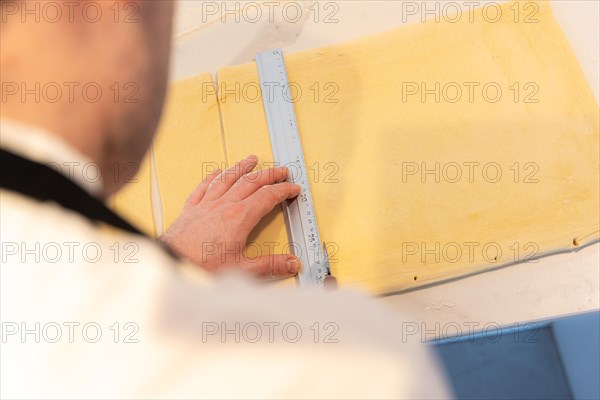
(261,202)
(253,181)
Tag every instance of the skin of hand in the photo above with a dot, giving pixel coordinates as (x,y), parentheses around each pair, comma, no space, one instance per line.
(218,216)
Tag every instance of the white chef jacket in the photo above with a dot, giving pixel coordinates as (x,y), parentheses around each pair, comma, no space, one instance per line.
(93,312)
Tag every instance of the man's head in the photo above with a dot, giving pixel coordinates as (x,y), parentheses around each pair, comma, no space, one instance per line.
(92,72)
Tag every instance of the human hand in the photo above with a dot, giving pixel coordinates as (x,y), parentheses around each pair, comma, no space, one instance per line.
(218,216)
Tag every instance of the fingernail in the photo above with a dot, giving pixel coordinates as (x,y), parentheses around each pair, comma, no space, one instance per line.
(330,283)
(252,157)
(293,264)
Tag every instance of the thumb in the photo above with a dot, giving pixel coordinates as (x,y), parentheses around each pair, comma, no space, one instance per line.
(273,266)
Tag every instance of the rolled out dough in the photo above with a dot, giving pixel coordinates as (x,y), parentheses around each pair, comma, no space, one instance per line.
(500,112)
(435,150)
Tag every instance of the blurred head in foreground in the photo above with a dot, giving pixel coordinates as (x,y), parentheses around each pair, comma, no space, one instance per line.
(93,73)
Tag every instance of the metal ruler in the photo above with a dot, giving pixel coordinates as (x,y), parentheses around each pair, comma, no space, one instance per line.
(299,213)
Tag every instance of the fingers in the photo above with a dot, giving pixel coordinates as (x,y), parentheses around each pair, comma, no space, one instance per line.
(198,193)
(274,266)
(266,198)
(221,184)
(250,183)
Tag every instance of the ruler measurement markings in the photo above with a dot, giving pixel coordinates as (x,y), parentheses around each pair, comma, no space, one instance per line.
(287,149)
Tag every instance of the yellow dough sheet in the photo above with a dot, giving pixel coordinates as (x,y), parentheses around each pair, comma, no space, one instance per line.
(188,146)
(436,150)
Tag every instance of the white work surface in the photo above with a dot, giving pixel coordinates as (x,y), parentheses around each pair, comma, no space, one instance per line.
(551,287)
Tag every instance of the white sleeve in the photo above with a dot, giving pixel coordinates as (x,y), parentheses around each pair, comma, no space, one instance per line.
(156,329)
